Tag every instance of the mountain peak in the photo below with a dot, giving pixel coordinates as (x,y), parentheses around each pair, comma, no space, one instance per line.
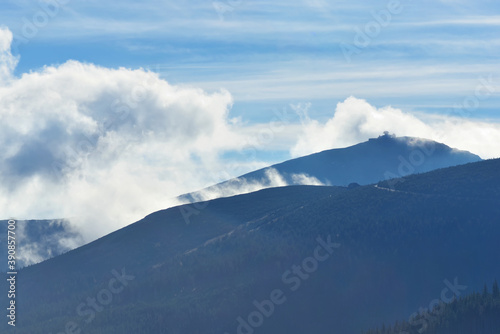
(384,137)
(381,158)
(378,159)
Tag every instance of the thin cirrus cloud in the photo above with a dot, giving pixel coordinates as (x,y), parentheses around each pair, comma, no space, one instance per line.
(293,40)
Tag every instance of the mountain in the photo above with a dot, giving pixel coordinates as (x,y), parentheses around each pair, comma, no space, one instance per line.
(382,158)
(369,162)
(298,259)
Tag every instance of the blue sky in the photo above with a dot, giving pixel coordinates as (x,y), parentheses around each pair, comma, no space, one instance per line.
(427,58)
(138,102)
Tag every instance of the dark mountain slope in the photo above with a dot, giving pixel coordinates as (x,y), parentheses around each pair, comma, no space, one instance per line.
(396,250)
(151,241)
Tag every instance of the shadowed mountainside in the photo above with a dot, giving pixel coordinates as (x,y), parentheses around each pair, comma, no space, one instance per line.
(392,250)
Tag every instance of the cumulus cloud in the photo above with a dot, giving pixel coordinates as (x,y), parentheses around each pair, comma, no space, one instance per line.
(355,121)
(103,146)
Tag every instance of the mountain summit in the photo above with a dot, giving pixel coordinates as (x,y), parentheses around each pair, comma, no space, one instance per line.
(378,159)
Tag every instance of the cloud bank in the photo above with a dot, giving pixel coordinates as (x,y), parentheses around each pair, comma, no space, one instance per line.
(355,121)
(104,146)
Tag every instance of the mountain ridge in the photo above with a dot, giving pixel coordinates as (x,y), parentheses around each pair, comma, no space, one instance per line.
(375,276)
(377,159)
(355,164)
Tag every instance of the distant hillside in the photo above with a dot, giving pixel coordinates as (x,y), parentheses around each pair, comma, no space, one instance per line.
(465,181)
(332,260)
(385,157)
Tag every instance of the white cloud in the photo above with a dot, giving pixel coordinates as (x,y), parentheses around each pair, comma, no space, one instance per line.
(241,186)
(355,120)
(104,146)
(304,179)
(54,238)
(7,61)
(272,178)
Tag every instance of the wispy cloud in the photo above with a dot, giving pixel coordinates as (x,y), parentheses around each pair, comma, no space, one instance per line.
(286,46)
(485,20)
